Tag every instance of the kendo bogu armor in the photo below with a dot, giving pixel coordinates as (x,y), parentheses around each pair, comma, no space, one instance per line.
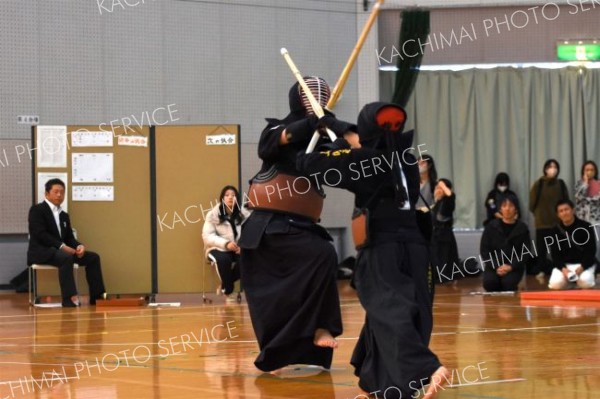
(281,188)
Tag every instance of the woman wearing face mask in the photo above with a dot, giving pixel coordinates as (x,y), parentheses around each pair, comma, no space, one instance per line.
(427,181)
(495,197)
(428,178)
(543,197)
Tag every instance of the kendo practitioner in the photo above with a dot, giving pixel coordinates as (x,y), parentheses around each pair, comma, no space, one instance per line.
(392,354)
(288,265)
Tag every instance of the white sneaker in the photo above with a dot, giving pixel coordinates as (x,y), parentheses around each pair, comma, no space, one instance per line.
(231,298)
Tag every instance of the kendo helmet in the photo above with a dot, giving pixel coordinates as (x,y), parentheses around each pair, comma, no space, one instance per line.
(318,87)
(377,118)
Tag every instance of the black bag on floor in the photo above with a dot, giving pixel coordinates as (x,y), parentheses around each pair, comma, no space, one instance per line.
(21,281)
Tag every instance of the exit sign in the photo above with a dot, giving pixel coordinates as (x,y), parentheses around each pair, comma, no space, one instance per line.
(578,51)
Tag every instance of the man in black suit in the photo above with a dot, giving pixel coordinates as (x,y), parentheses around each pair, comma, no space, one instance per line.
(51,242)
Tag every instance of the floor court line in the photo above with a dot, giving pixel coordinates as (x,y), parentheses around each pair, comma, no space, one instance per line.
(489,330)
(277,378)
(231,366)
(486,382)
(479,331)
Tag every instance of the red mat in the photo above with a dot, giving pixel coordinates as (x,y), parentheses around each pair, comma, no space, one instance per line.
(561,304)
(566,295)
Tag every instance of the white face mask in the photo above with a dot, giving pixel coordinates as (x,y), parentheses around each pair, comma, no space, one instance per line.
(502,188)
(551,172)
(423,168)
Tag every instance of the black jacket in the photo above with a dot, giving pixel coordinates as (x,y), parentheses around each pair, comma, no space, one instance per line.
(493,201)
(443,213)
(366,172)
(573,244)
(497,249)
(44,238)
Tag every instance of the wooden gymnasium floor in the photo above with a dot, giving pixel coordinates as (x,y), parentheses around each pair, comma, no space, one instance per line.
(496,348)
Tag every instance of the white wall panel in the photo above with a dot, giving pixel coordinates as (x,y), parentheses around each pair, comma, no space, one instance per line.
(89,62)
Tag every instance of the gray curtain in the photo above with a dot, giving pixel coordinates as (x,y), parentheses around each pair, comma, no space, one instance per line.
(478,122)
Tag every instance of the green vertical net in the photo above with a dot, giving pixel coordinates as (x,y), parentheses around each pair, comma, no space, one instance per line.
(413,32)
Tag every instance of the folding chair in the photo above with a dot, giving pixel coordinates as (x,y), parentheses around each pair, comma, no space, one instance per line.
(213,264)
(33,294)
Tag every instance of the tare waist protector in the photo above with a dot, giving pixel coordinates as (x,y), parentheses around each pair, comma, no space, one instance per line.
(281,192)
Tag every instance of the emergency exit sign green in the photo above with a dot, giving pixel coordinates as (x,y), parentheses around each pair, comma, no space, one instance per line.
(576,51)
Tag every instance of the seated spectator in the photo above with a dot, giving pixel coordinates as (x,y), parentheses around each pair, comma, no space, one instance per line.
(220,235)
(573,248)
(502,244)
(444,250)
(494,198)
(51,242)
